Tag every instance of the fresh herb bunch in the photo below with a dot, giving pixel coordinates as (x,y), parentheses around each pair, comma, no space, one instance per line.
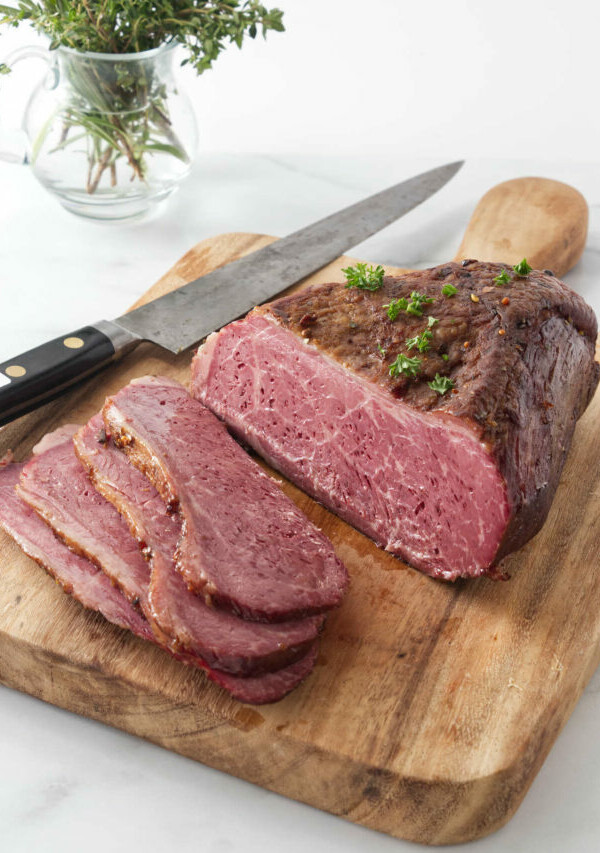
(101,91)
(204,27)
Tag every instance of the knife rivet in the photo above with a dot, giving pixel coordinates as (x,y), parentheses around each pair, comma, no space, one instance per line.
(15,370)
(73,343)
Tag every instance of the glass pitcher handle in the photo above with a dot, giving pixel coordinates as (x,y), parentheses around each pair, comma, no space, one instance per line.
(13,142)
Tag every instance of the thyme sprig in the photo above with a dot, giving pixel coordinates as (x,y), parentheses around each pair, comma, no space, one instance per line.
(204,27)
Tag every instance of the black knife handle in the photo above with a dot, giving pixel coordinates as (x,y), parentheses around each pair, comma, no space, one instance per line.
(42,373)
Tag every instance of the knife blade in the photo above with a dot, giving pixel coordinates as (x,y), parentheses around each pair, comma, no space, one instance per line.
(188,314)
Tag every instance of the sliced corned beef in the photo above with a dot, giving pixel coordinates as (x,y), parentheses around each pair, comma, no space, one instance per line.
(223,640)
(55,484)
(270,687)
(94,590)
(76,575)
(442,439)
(245,545)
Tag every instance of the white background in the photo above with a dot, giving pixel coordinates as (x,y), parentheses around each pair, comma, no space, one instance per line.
(353,97)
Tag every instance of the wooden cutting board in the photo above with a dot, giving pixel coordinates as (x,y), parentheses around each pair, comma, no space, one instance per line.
(432,705)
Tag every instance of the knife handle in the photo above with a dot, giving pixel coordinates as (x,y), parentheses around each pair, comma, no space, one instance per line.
(42,373)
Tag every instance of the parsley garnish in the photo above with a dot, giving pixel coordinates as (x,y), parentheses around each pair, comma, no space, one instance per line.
(421,342)
(417,300)
(414,307)
(449,290)
(503,278)
(441,384)
(395,307)
(431,321)
(365,277)
(522,268)
(445,356)
(406,365)
(381,349)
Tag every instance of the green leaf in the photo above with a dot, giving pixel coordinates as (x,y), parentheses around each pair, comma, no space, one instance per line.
(406,366)
(502,278)
(414,306)
(522,268)
(168,149)
(441,384)
(449,289)
(420,342)
(364,277)
(395,307)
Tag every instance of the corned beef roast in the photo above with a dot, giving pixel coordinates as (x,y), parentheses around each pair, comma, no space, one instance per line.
(182,619)
(442,439)
(245,546)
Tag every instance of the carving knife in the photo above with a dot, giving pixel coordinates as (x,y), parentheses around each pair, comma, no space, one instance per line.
(187,315)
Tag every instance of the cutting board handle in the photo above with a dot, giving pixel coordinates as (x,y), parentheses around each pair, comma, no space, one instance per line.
(543,220)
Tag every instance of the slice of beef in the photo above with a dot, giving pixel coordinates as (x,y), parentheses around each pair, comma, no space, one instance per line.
(223,640)
(56,486)
(93,589)
(76,575)
(245,546)
(453,481)
(270,687)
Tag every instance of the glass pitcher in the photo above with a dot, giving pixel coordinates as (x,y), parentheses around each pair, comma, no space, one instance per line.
(108,134)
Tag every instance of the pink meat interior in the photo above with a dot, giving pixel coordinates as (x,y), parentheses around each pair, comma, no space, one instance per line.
(420,484)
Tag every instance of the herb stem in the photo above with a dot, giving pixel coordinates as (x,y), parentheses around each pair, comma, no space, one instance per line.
(100,167)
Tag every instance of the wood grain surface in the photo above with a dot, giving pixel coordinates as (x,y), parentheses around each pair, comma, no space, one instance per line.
(432,705)
(543,220)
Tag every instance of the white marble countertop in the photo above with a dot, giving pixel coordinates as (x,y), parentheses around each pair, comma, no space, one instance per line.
(69,784)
